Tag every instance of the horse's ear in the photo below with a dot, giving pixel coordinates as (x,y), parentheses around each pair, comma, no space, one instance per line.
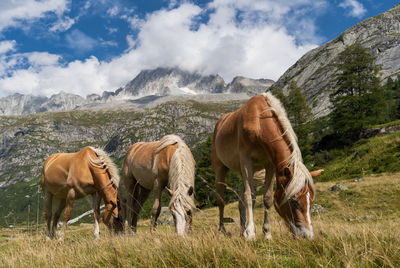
(315,173)
(171,192)
(190,191)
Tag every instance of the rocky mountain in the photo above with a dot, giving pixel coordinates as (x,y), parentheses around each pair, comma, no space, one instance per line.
(146,88)
(28,104)
(249,86)
(314,73)
(171,81)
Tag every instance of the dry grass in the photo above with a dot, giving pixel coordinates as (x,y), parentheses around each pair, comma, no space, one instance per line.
(360,228)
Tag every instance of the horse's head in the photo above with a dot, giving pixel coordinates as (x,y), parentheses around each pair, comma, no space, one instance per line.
(118,215)
(113,216)
(296,211)
(181,210)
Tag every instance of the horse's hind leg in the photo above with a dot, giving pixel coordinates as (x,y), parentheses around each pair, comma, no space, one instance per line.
(220,172)
(60,207)
(155,211)
(141,197)
(48,201)
(133,193)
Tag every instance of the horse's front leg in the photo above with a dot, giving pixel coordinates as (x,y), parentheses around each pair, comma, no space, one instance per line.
(96,213)
(155,211)
(268,200)
(247,174)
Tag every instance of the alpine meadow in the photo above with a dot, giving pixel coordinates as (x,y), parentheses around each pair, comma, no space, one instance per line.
(188,160)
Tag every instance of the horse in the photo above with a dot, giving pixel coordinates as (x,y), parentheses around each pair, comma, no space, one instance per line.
(70,176)
(164,164)
(256,137)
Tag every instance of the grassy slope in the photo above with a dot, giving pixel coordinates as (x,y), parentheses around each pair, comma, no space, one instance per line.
(368,156)
(358,228)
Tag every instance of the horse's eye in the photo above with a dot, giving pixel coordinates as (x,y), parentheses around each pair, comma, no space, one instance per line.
(294,203)
(189,213)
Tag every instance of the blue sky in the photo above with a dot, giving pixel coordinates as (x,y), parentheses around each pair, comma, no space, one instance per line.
(88,46)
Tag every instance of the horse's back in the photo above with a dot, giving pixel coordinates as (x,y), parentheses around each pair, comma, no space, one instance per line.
(62,171)
(139,164)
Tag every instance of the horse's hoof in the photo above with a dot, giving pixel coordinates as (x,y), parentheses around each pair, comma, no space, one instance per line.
(222,229)
(267,236)
(249,234)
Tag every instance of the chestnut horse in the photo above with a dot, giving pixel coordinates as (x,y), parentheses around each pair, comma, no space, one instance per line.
(70,176)
(259,136)
(165,164)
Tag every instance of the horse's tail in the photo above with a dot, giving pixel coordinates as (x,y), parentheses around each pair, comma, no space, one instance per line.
(181,167)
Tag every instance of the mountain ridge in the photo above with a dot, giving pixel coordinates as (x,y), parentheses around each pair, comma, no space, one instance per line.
(159,82)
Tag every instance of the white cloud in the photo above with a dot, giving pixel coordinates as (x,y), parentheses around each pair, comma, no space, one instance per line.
(63,24)
(113,11)
(355,8)
(254,42)
(14,12)
(7,46)
(79,41)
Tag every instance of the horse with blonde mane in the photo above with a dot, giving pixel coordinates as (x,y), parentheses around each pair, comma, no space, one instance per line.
(258,137)
(165,164)
(70,176)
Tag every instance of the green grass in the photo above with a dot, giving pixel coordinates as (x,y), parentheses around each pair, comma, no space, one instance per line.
(365,157)
(354,231)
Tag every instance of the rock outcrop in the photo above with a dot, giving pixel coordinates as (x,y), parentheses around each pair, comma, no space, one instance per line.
(315,72)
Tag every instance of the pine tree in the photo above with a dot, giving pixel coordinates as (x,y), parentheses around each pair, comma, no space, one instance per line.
(358,100)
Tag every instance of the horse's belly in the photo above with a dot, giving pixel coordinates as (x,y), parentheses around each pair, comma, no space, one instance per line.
(144,177)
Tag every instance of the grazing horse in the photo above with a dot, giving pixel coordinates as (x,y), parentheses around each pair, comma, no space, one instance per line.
(165,164)
(70,176)
(259,136)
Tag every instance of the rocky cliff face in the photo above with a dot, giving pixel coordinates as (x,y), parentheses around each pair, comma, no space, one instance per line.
(171,81)
(314,73)
(242,84)
(28,104)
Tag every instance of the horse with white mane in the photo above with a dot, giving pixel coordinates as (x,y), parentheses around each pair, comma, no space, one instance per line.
(165,164)
(259,136)
(70,176)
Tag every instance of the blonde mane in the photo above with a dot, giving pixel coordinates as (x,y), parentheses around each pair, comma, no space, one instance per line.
(108,164)
(301,174)
(181,170)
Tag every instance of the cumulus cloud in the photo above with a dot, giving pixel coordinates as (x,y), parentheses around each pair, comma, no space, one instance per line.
(80,41)
(355,8)
(15,12)
(258,40)
(6,46)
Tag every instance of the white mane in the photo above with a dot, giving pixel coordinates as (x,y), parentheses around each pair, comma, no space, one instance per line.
(181,170)
(108,164)
(301,174)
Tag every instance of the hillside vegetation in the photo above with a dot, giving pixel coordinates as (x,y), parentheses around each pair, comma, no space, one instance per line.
(354,230)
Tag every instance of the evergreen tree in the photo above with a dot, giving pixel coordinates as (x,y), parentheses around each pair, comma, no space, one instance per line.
(392,88)
(358,100)
(298,110)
